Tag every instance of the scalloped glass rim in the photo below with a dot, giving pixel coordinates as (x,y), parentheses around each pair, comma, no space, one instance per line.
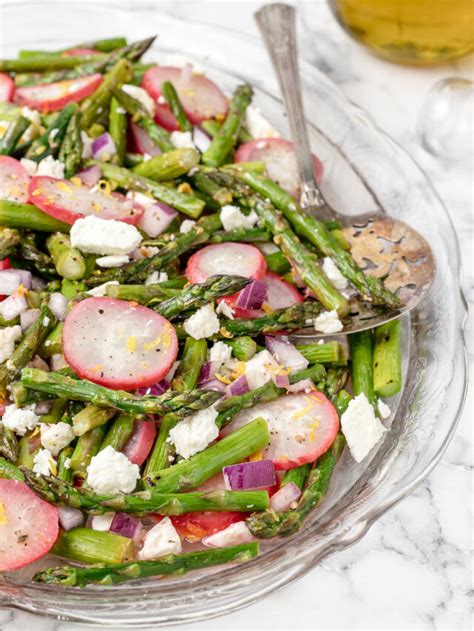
(370,170)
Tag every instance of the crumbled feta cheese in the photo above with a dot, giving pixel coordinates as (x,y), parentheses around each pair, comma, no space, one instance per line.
(161,540)
(30,166)
(67,463)
(260,369)
(104,236)
(56,436)
(233,218)
(257,125)
(102,522)
(20,420)
(328,322)
(220,353)
(182,139)
(51,167)
(334,275)
(267,248)
(161,100)
(8,336)
(146,157)
(113,260)
(112,472)
(223,308)
(53,133)
(46,321)
(195,432)
(32,115)
(203,323)
(142,96)
(99,291)
(180,61)
(156,277)
(44,463)
(384,410)
(187,226)
(361,427)
(233,535)
(87,143)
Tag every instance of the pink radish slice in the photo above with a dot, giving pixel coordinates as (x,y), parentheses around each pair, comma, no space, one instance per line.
(165,118)
(201,98)
(118,344)
(141,141)
(7,87)
(51,97)
(28,525)
(67,201)
(237,259)
(81,52)
(140,442)
(302,427)
(14,180)
(280,160)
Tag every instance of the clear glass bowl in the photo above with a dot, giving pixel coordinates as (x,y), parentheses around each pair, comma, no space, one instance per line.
(364,169)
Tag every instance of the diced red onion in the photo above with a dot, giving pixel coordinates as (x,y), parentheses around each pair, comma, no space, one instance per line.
(70,518)
(155,390)
(186,72)
(43,407)
(252,296)
(284,497)
(58,305)
(301,386)
(238,387)
(233,535)
(127,526)
(28,317)
(10,280)
(201,139)
(208,371)
(57,362)
(103,147)
(156,218)
(90,175)
(13,306)
(249,475)
(143,142)
(213,384)
(281,380)
(286,354)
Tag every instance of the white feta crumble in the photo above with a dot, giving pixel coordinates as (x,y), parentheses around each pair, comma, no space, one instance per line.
(30,166)
(220,353)
(233,218)
(44,463)
(328,322)
(361,427)
(233,535)
(87,143)
(32,115)
(20,420)
(51,167)
(203,323)
(112,472)
(102,522)
(187,226)
(195,432)
(384,410)
(182,140)
(67,463)
(8,336)
(334,275)
(99,291)
(53,133)
(113,260)
(260,369)
(56,436)
(161,540)
(179,61)
(156,277)
(267,248)
(142,96)
(104,236)
(257,125)
(223,308)
(161,100)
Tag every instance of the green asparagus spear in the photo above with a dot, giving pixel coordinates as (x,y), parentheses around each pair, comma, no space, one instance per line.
(14,132)
(52,343)
(9,239)
(119,432)
(169,165)
(46,62)
(49,143)
(387,359)
(86,448)
(143,294)
(243,348)
(118,129)
(29,445)
(73,576)
(68,261)
(362,370)
(242,235)
(342,401)
(70,153)
(297,476)
(278,263)
(34,258)
(89,418)
(15,215)
(64,465)
(8,444)
(9,471)
(327,353)
(212,190)
(175,105)
(212,126)
(334,381)
(93,546)
(56,413)
(102,45)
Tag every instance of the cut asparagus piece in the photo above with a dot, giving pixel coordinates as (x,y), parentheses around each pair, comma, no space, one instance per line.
(387,359)
(93,546)
(70,153)
(15,215)
(12,135)
(8,444)
(89,418)
(143,294)
(86,448)
(49,143)
(118,130)
(69,262)
(169,165)
(172,98)
(9,471)
(9,239)
(362,371)
(328,353)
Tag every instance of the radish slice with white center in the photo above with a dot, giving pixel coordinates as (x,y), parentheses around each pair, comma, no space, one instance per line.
(200,97)
(165,118)
(280,161)
(7,87)
(28,525)
(140,442)
(238,259)
(118,344)
(50,97)
(141,141)
(302,427)
(14,180)
(68,201)
(81,52)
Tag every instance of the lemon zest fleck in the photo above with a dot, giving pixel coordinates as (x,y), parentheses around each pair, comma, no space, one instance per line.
(3,515)
(131,344)
(149,346)
(255,457)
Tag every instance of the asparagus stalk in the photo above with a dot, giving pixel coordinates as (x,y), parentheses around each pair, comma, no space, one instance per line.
(278,263)
(334,381)
(328,353)
(52,343)
(298,476)
(42,63)
(83,390)
(72,576)
(214,191)
(10,471)
(89,418)
(103,46)
(8,444)
(226,137)
(69,262)
(9,239)
(14,132)
(243,348)
(119,432)
(34,258)
(64,465)
(29,445)
(70,153)
(169,165)
(118,129)
(16,215)
(93,546)
(175,105)
(49,143)
(387,360)
(143,294)
(56,413)
(212,126)
(242,235)
(362,370)
(342,401)
(86,448)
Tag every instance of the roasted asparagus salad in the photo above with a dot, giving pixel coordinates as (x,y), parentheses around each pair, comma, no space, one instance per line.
(158,412)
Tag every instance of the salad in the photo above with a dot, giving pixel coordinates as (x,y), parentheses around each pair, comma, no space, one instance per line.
(157,415)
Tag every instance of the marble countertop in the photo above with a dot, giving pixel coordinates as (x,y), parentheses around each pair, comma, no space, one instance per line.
(412,570)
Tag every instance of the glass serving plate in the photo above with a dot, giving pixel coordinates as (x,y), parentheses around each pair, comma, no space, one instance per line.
(364,169)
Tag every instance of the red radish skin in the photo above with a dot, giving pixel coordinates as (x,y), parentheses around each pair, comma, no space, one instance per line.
(165,118)
(28,526)
(118,344)
(200,97)
(51,97)
(14,180)
(80,52)
(4,264)
(7,87)
(302,427)
(68,201)
(238,259)
(140,442)
(280,161)
(141,141)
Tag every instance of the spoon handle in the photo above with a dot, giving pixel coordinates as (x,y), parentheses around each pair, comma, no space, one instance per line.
(277,25)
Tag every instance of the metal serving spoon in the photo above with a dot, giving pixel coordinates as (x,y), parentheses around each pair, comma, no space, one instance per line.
(395,252)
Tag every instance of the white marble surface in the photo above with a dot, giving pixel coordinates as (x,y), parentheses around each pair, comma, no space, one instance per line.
(413,569)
